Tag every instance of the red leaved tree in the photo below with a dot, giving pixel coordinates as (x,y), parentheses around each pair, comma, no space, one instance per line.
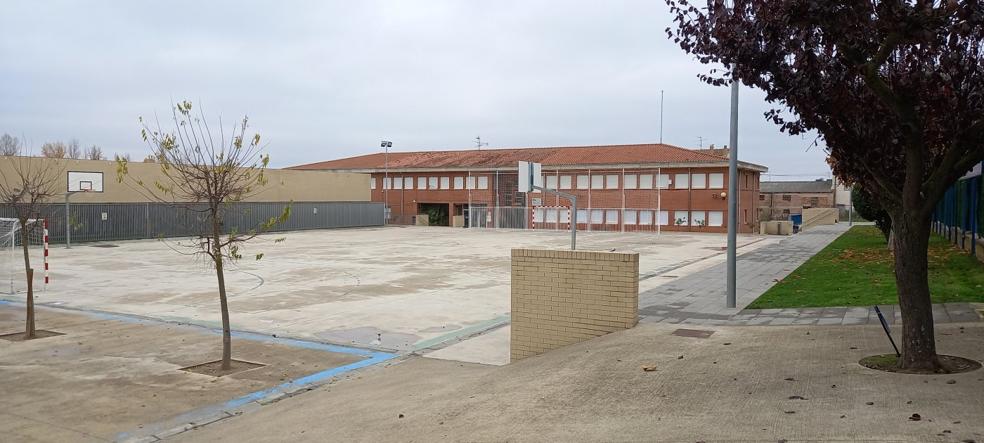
(894,87)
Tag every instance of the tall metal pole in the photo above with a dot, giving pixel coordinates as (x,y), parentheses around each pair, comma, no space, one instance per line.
(733,196)
(660,116)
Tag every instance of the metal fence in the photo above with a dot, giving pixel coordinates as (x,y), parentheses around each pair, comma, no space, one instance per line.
(958,215)
(591,219)
(130,221)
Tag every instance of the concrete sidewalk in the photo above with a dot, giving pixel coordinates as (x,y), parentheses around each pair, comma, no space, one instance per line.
(741,384)
(700,297)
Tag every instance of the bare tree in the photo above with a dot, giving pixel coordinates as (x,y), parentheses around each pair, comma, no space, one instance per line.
(207,175)
(94,153)
(54,150)
(24,189)
(9,145)
(150,159)
(74,149)
(124,157)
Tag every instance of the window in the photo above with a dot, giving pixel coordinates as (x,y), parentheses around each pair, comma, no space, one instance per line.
(470,183)
(680,218)
(582,182)
(372,183)
(664,218)
(421,183)
(397,182)
(698,181)
(631,181)
(597,182)
(664,181)
(407,182)
(551,182)
(646,218)
(611,181)
(787,198)
(483,183)
(630,216)
(541,183)
(597,216)
(761,197)
(387,183)
(565,182)
(698,218)
(814,201)
(715,218)
(645,181)
(717,180)
(432,183)
(551,216)
(582,215)
(682,181)
(538,215)
(744,216)
(611,217)
(459,183)
(565,215)
(445,182)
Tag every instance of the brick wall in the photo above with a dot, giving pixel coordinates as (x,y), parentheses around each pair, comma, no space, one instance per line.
(565,297)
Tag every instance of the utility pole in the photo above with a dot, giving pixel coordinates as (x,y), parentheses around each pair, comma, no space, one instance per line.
(386,209)
(660,116)
(731,301)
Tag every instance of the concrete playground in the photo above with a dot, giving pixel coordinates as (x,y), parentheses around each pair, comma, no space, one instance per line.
(743,383)
(393,288)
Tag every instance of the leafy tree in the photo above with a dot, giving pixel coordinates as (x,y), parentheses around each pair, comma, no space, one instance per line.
(894,88)
(53,150)
(206,176)
(9,145)
(24,189)
(94,153)
(871,210)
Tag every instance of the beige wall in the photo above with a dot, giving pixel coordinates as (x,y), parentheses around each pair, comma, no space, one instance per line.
(284,184)
(565,297)
(819,216)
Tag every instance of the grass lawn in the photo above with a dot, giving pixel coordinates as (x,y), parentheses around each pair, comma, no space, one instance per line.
(857,270)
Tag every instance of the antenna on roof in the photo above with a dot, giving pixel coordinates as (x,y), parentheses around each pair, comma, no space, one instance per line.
(479,144)
(660,116)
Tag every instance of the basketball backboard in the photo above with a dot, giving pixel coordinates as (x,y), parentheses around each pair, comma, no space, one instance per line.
(530,175)
(83,181)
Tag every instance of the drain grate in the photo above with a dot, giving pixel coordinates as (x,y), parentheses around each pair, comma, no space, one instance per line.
(695,333)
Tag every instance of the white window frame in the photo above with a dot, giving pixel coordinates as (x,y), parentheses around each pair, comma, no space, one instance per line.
(682,181)
(552,215)
(470,183)
(645,181)
(597,216)
(432,183)
(611,181)
(631,181)
(681,215)
(538,214)
(631,216)
(565,182)
(698,181)
(387,183)
(664,181)
(483,182)
(582,215)
(611,216)
(459,183)
(398,183)
(598,181)
(445,183)
(422,183)
(698,216)
(372,183)
(645,218)
(407,182)
(550,182)
(715,218)
(664,218)
(715,180)
(583,182)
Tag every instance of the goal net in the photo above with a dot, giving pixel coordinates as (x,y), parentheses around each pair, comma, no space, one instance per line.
(12,252)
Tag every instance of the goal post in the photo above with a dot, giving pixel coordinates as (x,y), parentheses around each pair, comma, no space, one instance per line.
(11,242)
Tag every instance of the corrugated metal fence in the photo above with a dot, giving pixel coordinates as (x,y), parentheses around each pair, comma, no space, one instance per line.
(130,221)
(959,214)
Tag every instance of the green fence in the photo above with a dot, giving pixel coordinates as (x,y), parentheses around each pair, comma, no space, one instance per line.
(961,211)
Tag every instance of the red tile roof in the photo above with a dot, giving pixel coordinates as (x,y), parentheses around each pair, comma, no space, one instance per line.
(498,158)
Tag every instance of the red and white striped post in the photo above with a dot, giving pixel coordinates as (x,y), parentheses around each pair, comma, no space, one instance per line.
(45,232)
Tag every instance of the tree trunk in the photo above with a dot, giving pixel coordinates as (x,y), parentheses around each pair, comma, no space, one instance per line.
(29,329)
(223,302)
(911,242)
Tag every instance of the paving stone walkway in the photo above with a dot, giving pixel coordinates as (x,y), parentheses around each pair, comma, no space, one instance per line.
(699,298)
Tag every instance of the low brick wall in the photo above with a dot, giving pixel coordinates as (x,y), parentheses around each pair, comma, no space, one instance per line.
(565,297)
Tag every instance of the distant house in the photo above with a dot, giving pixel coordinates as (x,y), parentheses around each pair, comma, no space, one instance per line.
(780,199)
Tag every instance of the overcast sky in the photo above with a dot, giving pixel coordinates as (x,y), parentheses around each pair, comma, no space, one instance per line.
(328,79)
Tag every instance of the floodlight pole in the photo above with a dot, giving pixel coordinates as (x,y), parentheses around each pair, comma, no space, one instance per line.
(68,221)
(731,298)
(573,199)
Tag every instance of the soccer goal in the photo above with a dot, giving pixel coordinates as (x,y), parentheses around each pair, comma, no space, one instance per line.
(10,246)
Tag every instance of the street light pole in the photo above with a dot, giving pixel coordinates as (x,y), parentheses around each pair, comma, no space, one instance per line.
(733,195)
(386,210)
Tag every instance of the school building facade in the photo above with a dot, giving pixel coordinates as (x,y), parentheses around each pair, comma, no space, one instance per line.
(644,187)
